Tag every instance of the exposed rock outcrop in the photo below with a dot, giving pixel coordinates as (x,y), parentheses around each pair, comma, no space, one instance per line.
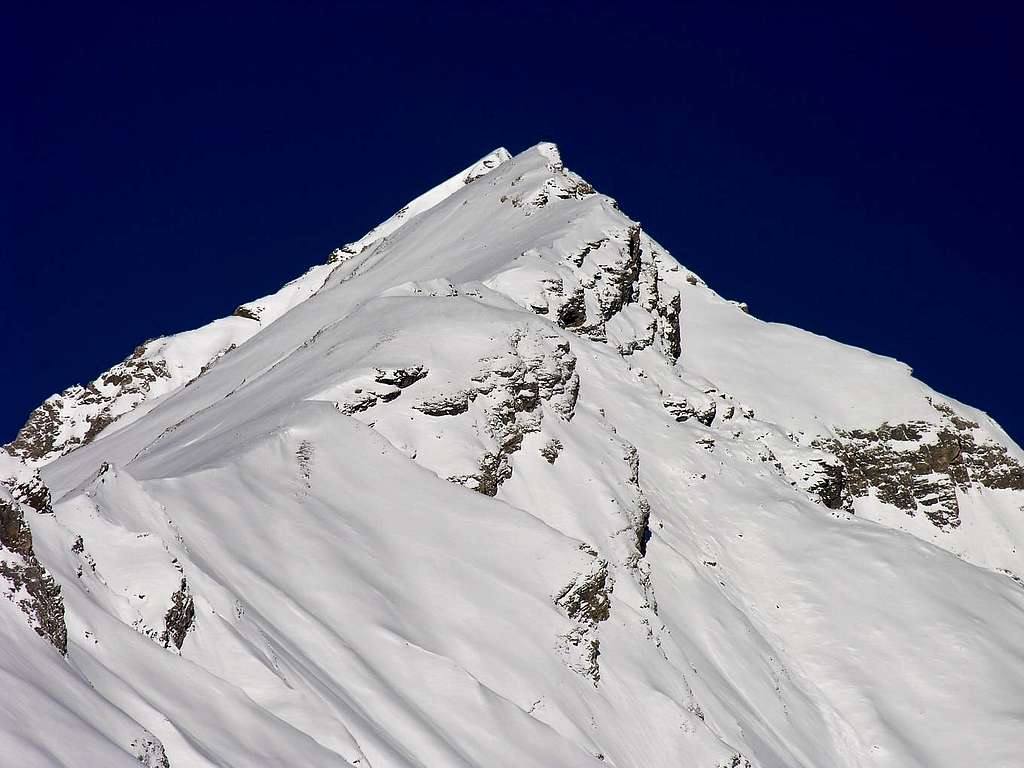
(640,512)
(829,484)
(919,466)
(506,395)
(551,449)
(381,385)
(179,617)
(78,414)
(585,601)
(683,409)
(246,312)
(634,308)
(448,404)
(150,753)
(401,377)
(23,579)
(514,386)
(609,288)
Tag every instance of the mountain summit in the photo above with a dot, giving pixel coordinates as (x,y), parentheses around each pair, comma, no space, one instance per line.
(503,484)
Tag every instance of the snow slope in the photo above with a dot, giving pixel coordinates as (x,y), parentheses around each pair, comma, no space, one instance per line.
(504,484)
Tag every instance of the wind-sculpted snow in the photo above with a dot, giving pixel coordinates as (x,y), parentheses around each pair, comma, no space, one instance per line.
(79,414)
(502,484)
(76,416)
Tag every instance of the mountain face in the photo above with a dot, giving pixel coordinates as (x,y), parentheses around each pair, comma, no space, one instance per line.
(503,484)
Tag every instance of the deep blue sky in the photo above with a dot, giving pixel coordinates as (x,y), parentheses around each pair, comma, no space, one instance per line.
(856,173)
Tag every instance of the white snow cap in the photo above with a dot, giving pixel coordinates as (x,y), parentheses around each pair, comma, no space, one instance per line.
(503,484)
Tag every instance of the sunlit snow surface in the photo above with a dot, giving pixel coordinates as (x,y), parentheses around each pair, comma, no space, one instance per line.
(358,603)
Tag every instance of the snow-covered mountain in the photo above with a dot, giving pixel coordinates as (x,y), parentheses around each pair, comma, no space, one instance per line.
(503,484)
